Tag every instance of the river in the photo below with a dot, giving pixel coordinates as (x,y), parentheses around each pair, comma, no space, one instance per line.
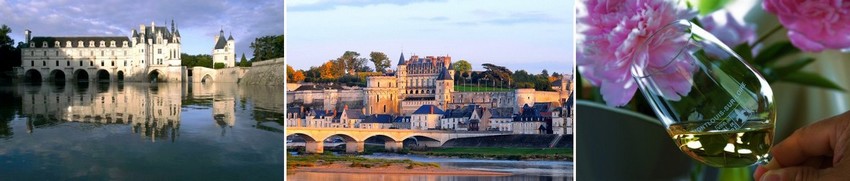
(521,170)
(140,131)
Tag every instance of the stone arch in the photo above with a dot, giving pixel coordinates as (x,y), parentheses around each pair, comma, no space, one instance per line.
(33,75)
(155,76)
(103,75)
(420,141)
(119,76)
(81,75)
(207,78)
(57,75)
(390,143)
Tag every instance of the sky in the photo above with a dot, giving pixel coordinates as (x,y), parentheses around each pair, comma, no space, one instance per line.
(515,34)
(198,20)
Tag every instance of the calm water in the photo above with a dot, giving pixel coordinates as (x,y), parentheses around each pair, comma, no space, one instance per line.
(124,131)
(522,170)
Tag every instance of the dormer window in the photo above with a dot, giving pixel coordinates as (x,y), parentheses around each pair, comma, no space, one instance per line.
(79,43)
(102,44)
(44,44)
(56,44)
(124,44)
(68,44)
(32,45)
(91,43)
(112,44)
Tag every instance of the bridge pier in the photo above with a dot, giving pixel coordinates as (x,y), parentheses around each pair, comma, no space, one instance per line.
(315,147)
(355,146)
(393,146)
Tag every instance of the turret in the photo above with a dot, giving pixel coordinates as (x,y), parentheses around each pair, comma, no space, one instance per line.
(444,88)
(28,36)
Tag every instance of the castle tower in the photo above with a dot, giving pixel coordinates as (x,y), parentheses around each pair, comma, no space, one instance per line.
(401,77)
(444,88)
(224,51)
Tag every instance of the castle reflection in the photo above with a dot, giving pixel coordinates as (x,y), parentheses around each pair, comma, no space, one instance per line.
(153,111)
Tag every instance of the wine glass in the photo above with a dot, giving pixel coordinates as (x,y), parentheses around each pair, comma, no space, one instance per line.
(715,106)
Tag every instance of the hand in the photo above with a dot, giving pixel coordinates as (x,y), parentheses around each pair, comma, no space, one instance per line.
(813,152)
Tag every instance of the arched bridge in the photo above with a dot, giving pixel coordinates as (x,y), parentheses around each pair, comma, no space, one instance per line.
(355,137)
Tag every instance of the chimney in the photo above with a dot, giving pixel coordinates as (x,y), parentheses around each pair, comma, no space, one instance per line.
(28,35)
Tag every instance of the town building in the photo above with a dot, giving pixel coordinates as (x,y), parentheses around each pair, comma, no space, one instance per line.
(427,117)
(224,51)
(377,121)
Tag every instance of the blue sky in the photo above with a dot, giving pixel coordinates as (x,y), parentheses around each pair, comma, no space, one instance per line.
(515,34)
(198,20)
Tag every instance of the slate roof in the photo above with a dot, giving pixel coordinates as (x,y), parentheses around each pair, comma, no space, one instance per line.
(318,87)
(506,112)
(317,114)
(426,109)
(378,118)
(402,119)
(401,59)
(462,112)
(444,75)
(354,113)
(221,42)
(51,41)
(151,32)
(419,99)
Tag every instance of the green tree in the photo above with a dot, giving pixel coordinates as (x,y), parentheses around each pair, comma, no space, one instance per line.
(380,60)
(202,60)
(350,61)
(497,73)
(462,67)
(267,47)
(9,54)
(218,65)
(244,62)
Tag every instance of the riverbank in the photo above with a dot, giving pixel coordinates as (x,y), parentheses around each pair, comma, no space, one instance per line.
(327,163)
(560,154)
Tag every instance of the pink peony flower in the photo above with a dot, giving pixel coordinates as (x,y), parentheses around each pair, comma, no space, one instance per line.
(614,31)
(731,32)
(814,25)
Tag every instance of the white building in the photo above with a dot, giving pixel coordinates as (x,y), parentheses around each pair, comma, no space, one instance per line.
(426,117)
(224,52)
(152,53)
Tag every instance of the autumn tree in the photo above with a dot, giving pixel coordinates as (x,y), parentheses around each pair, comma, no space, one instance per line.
(380,60)
(327,70)
(298,76)
(289,72)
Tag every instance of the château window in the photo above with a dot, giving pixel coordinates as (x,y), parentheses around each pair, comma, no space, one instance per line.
(44,44)
(81,63)
(102,53)
(158,51)
(68,44)
(102,44)
(91,63)
(124,44)
(112,44)
(57,63)
(68,63)
(56,44)
(44,63)
(32,63)
(32,53)
(101,64)
(113,63)
(91,43)
(32,45)
(79,43)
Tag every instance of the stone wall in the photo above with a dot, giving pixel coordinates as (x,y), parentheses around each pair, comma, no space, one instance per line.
(269,72)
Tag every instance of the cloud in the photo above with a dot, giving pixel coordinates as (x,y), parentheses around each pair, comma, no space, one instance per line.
(496,18)
(247,20)
(323,5)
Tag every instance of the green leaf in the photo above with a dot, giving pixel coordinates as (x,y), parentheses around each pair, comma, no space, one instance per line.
(793,67)
(707,6)
(811,79)
(745,51)
(733,174)
(775,51)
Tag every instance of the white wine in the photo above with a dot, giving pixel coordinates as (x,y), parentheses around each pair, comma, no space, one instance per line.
(741,147)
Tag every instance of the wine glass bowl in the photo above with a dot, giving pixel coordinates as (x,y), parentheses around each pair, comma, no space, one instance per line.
(715,106)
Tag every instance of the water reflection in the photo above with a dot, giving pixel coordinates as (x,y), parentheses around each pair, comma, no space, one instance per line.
(123,131)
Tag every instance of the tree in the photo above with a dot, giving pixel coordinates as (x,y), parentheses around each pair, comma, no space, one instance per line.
(9,54)
(462,66)
(267,47)
(244,62)
(202,60)
(545,73)
(497,73)
(350,62)
(380,60)
(298,76)
(218,65)
(289,72)
(326,71)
